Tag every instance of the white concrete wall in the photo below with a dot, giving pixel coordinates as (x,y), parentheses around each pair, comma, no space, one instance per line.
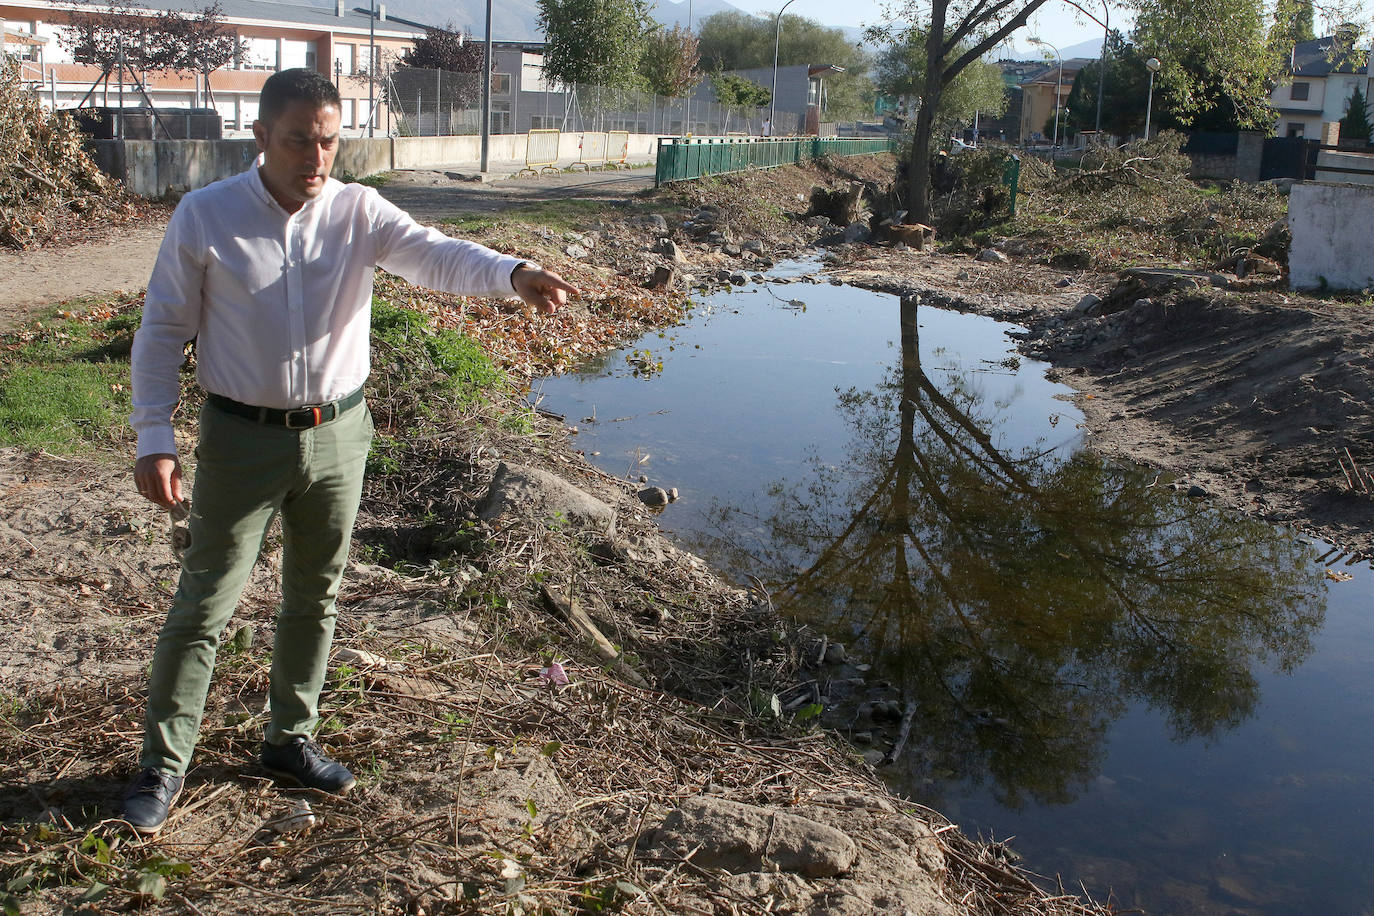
(1331,225)
(1345,159)
(504,151)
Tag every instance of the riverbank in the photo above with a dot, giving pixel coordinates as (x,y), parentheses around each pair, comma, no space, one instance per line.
(509,759)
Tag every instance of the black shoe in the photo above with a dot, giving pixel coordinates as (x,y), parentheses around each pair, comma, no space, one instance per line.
(301,761)
(149,798)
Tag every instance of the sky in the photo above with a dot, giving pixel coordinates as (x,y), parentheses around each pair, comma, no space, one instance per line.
(1055,22)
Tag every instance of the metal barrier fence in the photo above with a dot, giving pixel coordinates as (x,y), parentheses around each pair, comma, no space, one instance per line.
(592,150)
(618,148)
(682,159)
(541,151)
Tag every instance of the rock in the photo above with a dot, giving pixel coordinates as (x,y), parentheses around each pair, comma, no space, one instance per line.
(576,251)
(742,838)
(835,654)
(962,275)
(655,222)
(672,494)
(874,757)
(856,232)
(1282,185)
(819,222)
(670,250)
(1063,282)
(992,256)
(731,249)
(1088,305)
(665,276)
(887,711)
(522,492)
(738,278)
(1197,492)
(653,497)
(754,246)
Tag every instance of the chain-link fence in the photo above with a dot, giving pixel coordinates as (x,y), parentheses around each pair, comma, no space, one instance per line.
(441,103)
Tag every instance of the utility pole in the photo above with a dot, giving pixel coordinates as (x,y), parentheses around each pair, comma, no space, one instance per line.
(372,71)
(486,95)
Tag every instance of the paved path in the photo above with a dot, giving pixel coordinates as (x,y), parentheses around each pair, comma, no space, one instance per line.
(31,281)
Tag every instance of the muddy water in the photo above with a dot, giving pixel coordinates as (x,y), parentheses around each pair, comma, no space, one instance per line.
(1166,703)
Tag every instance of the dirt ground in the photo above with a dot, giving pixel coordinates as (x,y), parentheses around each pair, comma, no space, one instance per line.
(471,760)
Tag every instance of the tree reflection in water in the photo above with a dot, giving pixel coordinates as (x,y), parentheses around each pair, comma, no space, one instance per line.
(1023,601)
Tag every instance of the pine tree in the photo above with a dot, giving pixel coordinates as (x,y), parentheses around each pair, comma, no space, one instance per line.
(1355,125)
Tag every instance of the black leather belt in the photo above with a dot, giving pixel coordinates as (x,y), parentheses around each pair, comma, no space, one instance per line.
(296,418)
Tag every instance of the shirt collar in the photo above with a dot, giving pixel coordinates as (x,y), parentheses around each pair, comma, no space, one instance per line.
(264,195)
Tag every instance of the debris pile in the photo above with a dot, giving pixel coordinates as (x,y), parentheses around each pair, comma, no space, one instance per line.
(46,177)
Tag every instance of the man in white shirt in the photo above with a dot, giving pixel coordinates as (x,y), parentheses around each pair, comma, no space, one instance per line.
(271,272)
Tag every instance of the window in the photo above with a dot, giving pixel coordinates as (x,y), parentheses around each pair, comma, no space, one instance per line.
(532,72)
(1301,91)
(500,117)
(500,84)
(1295,130)
(543,122)
(345,57)
(346,110)
(260,54)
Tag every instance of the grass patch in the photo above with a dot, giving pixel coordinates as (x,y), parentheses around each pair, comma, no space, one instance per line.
(372,181)
(444,364)
(64,382)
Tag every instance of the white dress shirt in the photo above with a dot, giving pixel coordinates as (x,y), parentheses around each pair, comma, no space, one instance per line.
(280,303)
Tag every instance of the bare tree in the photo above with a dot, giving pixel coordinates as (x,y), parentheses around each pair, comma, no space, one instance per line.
(189,41)
(959,33)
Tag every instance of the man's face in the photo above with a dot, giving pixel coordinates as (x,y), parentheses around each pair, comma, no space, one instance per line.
(298,148)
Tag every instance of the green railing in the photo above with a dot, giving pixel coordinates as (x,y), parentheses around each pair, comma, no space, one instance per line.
(685,158)
(1011,177)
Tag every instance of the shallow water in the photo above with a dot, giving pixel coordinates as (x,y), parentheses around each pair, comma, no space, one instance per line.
(1154,698)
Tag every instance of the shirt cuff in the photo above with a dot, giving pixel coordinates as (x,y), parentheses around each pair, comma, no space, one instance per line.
(156,440)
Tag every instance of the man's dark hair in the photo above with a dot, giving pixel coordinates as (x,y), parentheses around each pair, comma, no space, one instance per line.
(300,84)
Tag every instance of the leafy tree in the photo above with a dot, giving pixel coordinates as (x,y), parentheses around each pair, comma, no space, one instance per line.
(1355,124)
(1125,87)
(669,61)
(900,71)
(737,92)
(971,28)
(1217,64)
(445,48)
(594,42)
(1292,24)
(189,41)
(738,41)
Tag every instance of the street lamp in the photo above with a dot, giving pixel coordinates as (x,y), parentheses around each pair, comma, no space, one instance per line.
(777,39)
(1058,85)
(1153,66)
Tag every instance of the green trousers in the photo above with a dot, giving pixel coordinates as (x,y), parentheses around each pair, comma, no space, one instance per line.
(247,473)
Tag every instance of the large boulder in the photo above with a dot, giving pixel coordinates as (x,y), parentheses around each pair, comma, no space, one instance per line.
(744,838)
(519,492)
